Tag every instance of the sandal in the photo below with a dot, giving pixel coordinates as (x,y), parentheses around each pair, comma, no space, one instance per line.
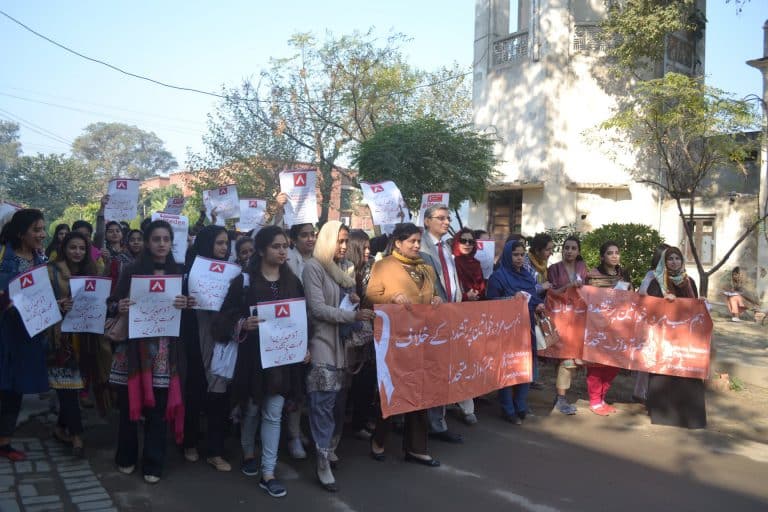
(600,410)
(219,463)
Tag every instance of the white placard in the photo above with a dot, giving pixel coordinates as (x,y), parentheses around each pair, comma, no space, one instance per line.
(180,226)
(209,282)
(89,304)
(301,207)
(7,210)
(123,200)
(225,200)
(430,199)
(32,295)
(463,213)
(153,313)
(385,202)
(486,255)
(174,205)
(283,331)
(252,215)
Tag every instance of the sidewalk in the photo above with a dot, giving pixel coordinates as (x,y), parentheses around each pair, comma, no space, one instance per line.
(740,349)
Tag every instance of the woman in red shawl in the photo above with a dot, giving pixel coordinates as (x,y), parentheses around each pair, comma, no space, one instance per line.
(467,267)
(470,277)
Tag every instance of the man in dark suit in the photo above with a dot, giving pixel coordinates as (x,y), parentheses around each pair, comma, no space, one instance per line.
(437,220)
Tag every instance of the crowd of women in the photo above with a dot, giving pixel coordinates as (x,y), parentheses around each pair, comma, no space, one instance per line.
(167,383)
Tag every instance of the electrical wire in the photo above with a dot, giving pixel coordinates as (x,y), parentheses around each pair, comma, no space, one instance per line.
(37,129)
(207,93)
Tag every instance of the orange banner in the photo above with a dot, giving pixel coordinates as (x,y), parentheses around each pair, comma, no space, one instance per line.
(638,332)
(428,356)
(567,310)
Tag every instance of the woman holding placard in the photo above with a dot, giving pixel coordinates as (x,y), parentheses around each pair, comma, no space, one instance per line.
(328,277)
(73,259)
(145,370)
(608,274)
(404,278)
(258,390)
(22,358)
(675,401)
(203,389)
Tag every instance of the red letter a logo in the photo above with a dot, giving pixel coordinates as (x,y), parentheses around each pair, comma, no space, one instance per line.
(300,179)
(282,311)
(90,285)
(157,285)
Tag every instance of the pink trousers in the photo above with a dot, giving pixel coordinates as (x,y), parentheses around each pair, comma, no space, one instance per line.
(599,379)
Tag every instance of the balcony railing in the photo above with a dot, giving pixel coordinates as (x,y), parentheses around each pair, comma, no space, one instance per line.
(588,38)
(679,54)
(511,49)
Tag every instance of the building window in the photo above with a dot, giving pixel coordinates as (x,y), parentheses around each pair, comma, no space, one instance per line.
(347,198)
(505,211)
(703,229)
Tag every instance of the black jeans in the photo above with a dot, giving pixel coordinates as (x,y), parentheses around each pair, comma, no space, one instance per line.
(362,396)
(10,406)
(155,432)
(70,417)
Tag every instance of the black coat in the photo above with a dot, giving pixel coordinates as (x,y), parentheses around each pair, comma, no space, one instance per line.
(250,380)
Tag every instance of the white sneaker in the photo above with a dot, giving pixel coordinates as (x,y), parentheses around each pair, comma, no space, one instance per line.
(191,454)
(735,319)
(126,470)
(151,479)
(296,449)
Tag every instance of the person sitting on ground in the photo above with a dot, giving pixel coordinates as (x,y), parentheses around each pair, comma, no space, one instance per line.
(736,295)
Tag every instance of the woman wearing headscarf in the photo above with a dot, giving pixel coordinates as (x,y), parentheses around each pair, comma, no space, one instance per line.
(675,401)
(508,280)
(72,259)
(470,276)
(327,278)
(204,389)
(404,278)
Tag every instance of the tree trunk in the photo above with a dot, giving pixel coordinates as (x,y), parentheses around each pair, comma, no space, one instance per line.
(703,284)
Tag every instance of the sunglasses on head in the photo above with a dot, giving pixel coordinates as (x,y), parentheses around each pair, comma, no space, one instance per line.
(467,241)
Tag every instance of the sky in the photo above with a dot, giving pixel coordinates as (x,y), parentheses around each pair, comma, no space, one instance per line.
(209,45)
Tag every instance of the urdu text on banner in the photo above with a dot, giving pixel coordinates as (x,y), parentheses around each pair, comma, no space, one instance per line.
(428,356)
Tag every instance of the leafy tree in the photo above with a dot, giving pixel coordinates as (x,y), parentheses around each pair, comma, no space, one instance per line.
(318,104)
(10,150)
(429,155)
(638,29)
(116,150)
(692,131)
(635,241)
(151,201)
(50,182)
(75,212)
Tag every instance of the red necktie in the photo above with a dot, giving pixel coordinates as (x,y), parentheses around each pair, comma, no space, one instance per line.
(446,274)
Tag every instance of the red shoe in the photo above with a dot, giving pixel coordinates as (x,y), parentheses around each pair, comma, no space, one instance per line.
(611,409)
(12,453)
(599,409)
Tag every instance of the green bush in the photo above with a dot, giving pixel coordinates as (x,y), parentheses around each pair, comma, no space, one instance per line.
(636,243)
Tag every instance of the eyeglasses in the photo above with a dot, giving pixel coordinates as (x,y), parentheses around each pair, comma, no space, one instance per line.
(467,241)
(442,218)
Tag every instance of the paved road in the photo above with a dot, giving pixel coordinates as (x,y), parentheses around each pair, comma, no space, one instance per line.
(552,463)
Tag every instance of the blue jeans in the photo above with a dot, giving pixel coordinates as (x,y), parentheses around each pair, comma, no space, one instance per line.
(271,414)
(326,416)
(514,400)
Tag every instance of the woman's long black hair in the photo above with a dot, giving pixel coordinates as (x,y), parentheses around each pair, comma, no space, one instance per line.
(261,241)
(18,225)
(203,245)
(54,243)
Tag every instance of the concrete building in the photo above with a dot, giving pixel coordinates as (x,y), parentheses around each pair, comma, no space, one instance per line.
(540,83)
